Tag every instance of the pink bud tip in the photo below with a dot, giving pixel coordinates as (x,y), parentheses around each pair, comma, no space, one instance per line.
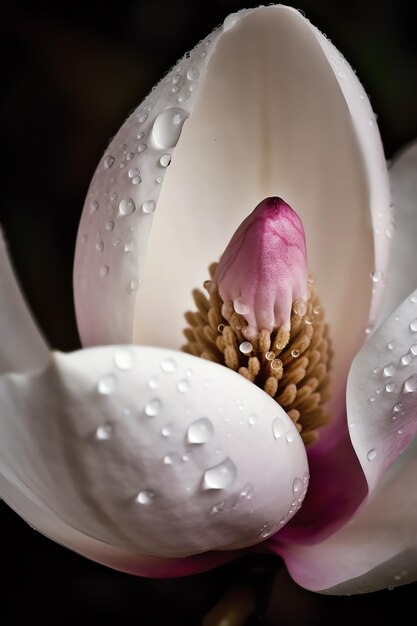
(264,267)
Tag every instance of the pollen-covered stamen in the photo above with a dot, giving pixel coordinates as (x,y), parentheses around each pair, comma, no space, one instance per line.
(291,366)
(289,357)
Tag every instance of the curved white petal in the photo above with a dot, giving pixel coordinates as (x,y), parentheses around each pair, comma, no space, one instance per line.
(21,346)
(273,110)
(401,275)
(382,392)
(150,451)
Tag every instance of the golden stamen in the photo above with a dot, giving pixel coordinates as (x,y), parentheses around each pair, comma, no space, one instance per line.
(290,366)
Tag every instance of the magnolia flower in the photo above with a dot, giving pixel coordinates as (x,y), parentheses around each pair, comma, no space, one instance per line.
(158,462)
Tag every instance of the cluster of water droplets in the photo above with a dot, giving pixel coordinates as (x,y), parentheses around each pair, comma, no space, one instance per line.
(181,441)
(395,377)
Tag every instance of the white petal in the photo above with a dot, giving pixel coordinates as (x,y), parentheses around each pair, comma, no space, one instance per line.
(275,111)
(150,451)
(382,392)
(401,275)
(21,347)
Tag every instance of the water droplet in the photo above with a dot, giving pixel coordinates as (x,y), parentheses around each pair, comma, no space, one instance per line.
(371,454)
(122,164)
(290,436)
(297,485)
(200,431)
(300,307)
(134,284)
(134,171)
(389,387)
(389,370)
(371,122)
(176,79)
(391,345)
(246,347)
(398,407)
(389,230)
(145,497)
(104,271)
(193,73)
(413,326)
(152,407)
(375,370)
(406,359)
(142,118)
(413,299)
(94,206)
(148,206)
(270,356)
(376,276)
(276,365)
(413,349)
(167,127)
(123,360)
(317,309)
(106,385)
(372,399)
(165,160)
(113,196)
(252,419)
(184,96)
(153,382)
(183,386)
(136,180)
(168,366)
(142,147)
(100,246)
(172,458)
(220,328)
(159,179)
(397,318)
(127,206)
(103,433)
(108,162)
(410,384)
(140,135)
(129,245)
(295,353)
(220,476)
(278,427)
(110,225)
(166,431)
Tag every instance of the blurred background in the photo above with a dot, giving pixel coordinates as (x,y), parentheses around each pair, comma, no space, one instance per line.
(72,71)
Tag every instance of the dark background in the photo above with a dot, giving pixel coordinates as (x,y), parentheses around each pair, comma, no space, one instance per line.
(72,72)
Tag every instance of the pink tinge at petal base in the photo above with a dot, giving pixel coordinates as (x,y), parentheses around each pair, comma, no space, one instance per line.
(264,267)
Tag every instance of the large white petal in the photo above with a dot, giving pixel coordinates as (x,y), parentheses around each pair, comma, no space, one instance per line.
(21,346)
(149,451)
(401,275)
(273,110)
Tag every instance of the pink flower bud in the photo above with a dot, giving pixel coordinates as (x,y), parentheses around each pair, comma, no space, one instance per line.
(264,267)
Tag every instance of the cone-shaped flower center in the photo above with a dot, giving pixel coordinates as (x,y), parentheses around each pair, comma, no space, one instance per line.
(263,270)
(262,317)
